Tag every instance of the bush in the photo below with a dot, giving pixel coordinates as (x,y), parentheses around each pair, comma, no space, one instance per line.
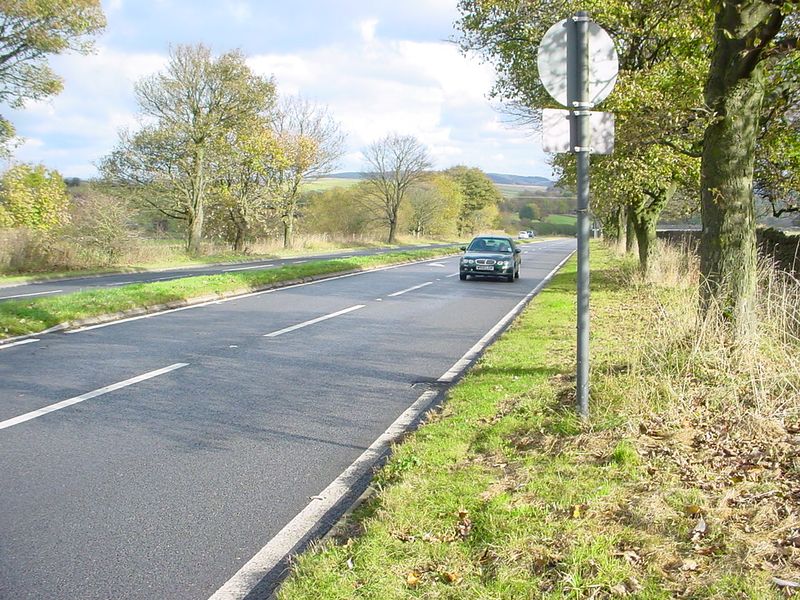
(555,229)
(101,226)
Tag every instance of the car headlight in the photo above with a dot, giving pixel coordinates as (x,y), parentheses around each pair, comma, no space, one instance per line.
(503,263)
(467,261)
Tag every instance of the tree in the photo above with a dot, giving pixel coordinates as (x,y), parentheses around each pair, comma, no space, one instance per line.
(32,197)
(747,35)
(435,204)
(530,212)
(340,210)
(194,105)
(659,127)
(653,175)
(310,144)
(244,191)
(776,176)
(29,32)
(395,163)
(479,194)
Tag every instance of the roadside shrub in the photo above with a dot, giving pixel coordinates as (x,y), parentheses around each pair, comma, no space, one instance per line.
(23,250)
(101,227)
(555,229)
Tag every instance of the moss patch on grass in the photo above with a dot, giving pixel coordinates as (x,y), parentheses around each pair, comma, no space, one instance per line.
(504,493)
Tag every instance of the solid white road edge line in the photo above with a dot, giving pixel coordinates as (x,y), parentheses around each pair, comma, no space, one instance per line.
(313,321)
(241,297)
(31,294)
(247,268)
(411,289)
(103,390)
(276,550)
(451,275)
(20,343)
(473,352)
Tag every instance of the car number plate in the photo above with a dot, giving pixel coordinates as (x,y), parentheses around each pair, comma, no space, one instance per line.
(484,268)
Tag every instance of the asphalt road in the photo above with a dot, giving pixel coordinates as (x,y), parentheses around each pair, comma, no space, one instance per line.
(226,420)
(69,285)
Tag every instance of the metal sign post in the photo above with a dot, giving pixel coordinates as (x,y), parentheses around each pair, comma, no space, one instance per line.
(578,67)
(578,80)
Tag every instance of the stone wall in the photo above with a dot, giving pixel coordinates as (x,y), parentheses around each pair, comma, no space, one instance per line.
(784,248)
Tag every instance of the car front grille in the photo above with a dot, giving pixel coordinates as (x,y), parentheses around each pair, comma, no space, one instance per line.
(485,261)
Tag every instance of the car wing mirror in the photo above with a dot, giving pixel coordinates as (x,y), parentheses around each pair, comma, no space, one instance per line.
(463,248)
(517,250)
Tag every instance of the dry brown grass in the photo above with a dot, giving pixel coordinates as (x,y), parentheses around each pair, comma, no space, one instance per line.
(718,428)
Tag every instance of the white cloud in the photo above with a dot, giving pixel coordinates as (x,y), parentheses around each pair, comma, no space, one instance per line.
(367,29)
(425,89)
(372,85)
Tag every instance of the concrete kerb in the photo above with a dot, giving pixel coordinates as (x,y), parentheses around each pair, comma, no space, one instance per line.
(156,308)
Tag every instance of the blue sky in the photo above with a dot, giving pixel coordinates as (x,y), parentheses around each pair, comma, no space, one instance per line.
(380,67)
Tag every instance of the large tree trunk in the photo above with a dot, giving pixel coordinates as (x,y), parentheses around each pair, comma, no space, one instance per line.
(645,218)
(240,223)
(617,229)
(195,233)
(196,201)
(630,232)
(392,230)
(644,227)
(238,241)
(734,91)
(288,230)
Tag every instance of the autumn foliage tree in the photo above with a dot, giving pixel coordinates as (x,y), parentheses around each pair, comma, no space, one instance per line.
(32,197)
(309,144)
(30,31)
(193,107)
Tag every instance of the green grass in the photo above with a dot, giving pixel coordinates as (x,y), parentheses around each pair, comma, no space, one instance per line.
(505,494)
(19,317)
(181,259)
(561,219)
(511,192)
(328,183)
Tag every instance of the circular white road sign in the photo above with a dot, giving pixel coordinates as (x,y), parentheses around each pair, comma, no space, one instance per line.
(602,61)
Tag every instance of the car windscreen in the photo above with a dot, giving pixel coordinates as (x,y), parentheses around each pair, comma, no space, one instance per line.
(489,245)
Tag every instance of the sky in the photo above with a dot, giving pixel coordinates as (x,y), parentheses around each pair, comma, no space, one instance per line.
(380,66)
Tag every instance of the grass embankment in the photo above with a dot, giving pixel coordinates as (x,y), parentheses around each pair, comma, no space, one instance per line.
(18,317)
(152,255)
(683,483)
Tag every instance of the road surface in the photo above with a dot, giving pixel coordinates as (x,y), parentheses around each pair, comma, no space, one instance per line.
(152,458)
(69,285)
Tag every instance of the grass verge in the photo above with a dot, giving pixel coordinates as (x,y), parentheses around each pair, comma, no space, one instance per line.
(19,317)
(666,492)
(151,258)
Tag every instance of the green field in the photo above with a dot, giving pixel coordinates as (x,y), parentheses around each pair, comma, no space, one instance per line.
(512,191)
(561,219)
(328,183)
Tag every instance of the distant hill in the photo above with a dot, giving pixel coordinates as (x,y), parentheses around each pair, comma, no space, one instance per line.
(346,175)
(503,179)
(498,178)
